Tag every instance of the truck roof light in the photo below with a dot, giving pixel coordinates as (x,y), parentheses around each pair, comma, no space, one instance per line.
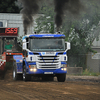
(58,32)
(35,32)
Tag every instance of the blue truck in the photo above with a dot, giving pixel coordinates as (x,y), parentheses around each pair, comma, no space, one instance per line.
(44,55)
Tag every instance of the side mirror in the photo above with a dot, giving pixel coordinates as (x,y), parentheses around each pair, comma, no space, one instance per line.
(67,46)
(24,44)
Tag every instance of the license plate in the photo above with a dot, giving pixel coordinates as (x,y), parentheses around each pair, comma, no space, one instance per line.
(49,53)
(48,72)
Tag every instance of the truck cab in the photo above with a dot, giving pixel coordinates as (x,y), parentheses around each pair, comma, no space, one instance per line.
(45,55)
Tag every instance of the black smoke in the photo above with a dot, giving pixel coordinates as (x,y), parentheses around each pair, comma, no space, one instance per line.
(30,7)
(72,6)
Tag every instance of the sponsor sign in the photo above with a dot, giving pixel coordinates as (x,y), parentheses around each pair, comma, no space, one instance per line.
(95,55)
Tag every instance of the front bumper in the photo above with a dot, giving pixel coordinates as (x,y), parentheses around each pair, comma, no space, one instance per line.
(47,71)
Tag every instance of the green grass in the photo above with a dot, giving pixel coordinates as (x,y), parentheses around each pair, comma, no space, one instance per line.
(89,73)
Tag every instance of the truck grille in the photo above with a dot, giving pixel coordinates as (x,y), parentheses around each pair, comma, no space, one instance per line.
(48,62)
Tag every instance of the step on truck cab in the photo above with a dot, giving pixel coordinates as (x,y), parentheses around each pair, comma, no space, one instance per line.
(45,55)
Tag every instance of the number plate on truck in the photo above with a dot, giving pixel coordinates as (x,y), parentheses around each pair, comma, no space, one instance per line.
(48,72)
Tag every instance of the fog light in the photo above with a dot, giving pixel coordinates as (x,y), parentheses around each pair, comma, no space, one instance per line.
(65,69)
(62,68)
(33,69)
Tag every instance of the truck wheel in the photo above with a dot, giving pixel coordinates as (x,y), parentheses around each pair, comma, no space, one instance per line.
(61,77)
(15,75)
(25,76)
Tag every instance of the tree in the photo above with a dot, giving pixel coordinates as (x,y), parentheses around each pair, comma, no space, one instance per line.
(8,6)
(46,22)
(81,42)
(80,30)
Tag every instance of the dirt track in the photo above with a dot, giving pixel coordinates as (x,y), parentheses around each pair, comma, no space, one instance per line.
(38,90)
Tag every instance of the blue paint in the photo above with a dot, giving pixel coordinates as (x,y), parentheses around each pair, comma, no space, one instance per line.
(31,53)
(43,53)
(64,58)
(17,58)
(64,53)
(24,37)
(31,58)
(63,63)
(47,35)
(33,63)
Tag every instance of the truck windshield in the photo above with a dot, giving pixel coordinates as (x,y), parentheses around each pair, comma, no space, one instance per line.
(50,44)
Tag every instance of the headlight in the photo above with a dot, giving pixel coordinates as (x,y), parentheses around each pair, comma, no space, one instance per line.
(64,69)
(33,68)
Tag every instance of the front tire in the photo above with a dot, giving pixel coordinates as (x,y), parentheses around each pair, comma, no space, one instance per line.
(15,75)
(25,76)
(61,77)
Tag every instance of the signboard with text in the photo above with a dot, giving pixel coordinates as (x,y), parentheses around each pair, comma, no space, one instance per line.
(8,31)
(95,55)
